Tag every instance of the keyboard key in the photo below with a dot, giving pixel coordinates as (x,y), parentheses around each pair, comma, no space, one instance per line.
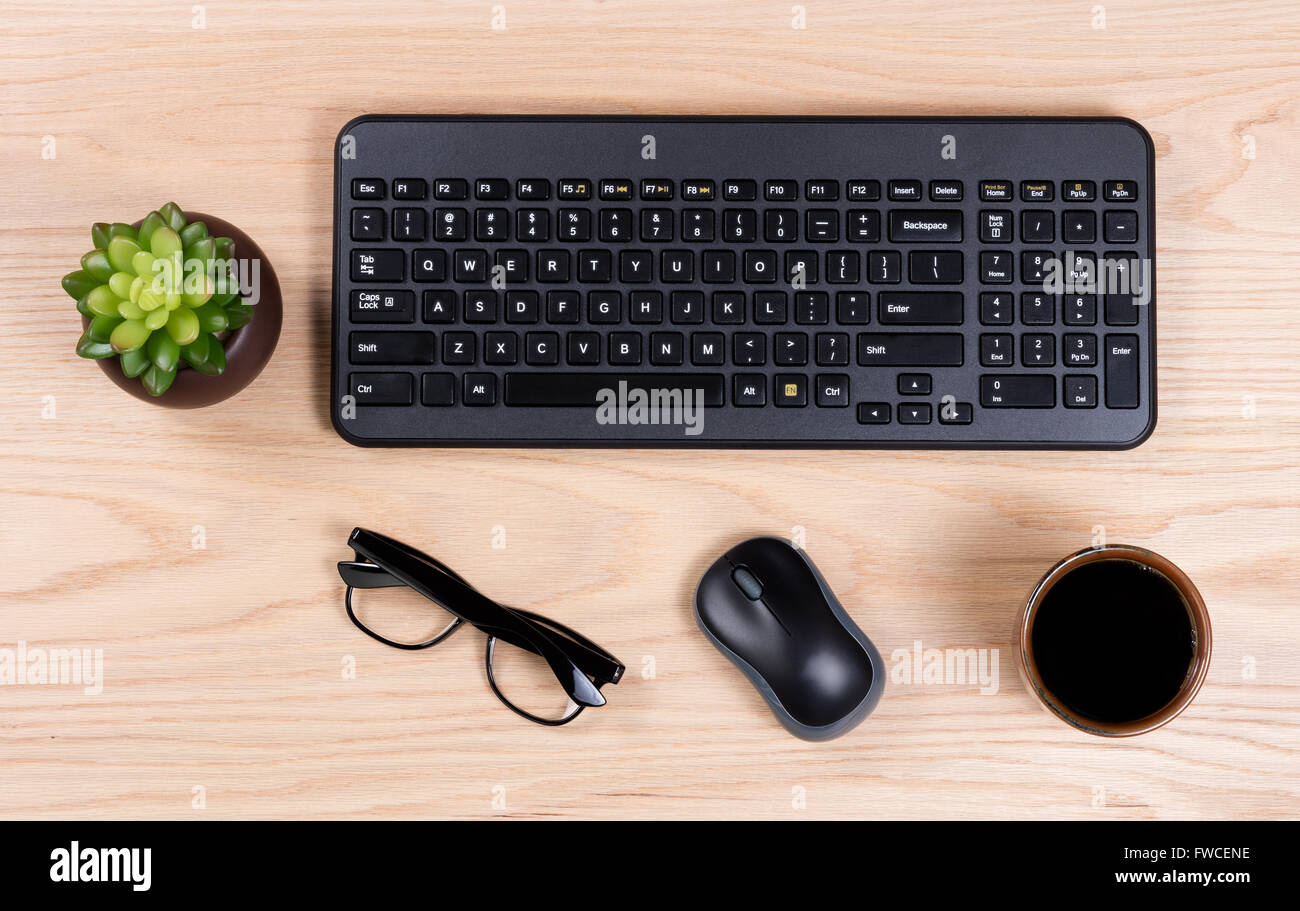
(823,225)
(367,224)
(481,306)
(909,349)
(914,413)
(996,267)
(534,188)
(1079,227)
(544,388)
(409,224)
(749,349)
(956,413)
(996,227)
(450,188)
(821,190)
(699,190)
(1079,392)
(562,307)
(439,306)
(1037,226)
(708,349)
(914,383)
(367,188)
(852,308)
(459,347)
(790,349)
(381,388)
(1038,350)
(391,347)
(1120,191)
(382,306)
(657,225)
(997,350)
(574,188)
(832,390)
(686,307)
(584,348)
(905,190)
(410,188)
(750,390)
(863,226)
(479,389)
(501,348)
(921,308)
(996,308)
(470,266)
(1009,390)
(997,191)
(429,266)
(1121,226)
(781,190)
(1078,190)
(832,349)
(616,188)
(925,226)
(1079,349)
(438,389)
(657,189)
(541,348)
(1037,190)
(780,226)
(491,188)
(864,190)
(874,412)
(945,190)
(625,349)
(885,267)
(1122,371)
(378,265)
(667,349)
(935,267)
(790,390)
(1038,309)
(739,190)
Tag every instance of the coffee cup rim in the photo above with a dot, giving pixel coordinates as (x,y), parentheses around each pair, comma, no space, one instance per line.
(1197,613)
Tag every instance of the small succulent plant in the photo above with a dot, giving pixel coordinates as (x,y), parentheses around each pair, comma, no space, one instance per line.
(161,296)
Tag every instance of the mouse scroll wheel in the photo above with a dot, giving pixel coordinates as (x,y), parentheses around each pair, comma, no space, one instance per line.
(748,585)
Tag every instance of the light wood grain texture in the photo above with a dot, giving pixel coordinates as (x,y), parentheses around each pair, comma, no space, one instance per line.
(223,666)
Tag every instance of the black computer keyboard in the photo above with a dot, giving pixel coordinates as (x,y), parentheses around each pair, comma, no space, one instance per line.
(712,282)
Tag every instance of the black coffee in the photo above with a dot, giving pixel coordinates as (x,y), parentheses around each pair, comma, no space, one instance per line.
(1113,640)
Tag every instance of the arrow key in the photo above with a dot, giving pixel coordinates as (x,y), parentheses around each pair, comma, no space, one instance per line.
(914,384)
(873,412)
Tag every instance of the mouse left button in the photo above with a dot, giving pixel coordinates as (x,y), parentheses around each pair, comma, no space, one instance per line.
(749,586)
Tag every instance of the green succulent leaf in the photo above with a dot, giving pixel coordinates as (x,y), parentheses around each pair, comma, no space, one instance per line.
(120,252)
(101,327)
(183,326)
(152,222)
(164,242)
(238,316)
(129,309)
(121,229)
(156,319)
(215,365)
(101,301)
(156,381)
(164,352)
(212,317)
(173,215)
(99,234)
(196,352)
(96,263)
(84,309)
(194,232)
(225,247)
(135,362)
(80,283)
(88,347)
(224,298)
(205,248)
(129,335)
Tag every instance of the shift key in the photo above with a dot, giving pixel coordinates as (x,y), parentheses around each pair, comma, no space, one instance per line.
(909,349)
(1122,371)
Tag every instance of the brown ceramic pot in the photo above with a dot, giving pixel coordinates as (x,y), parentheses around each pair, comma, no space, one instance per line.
(247,349)
(1197,613)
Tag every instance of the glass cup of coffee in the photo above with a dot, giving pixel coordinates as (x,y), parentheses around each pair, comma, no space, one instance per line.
(1114,641)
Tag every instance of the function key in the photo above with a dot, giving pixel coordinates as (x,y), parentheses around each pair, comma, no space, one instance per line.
(1036,190)
(533,188)
(616,188)
(739,190)
(1078,190)
(946,190)
(410,188)
(699,190)
(1120,191)
(864,190)
(997,191)
(781,189)
(575,188)
(450,188)
(821,190)
(656,188)
(367,188)
(492,188)
(905,190)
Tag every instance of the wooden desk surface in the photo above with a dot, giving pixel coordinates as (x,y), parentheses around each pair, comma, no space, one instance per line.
(224,666)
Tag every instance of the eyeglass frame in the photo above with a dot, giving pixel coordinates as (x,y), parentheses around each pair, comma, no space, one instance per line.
(580,666)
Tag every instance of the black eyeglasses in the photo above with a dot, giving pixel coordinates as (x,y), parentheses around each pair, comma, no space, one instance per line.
(579,665)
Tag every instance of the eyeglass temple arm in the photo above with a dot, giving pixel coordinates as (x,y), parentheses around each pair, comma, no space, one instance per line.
(359,574)
(418,571)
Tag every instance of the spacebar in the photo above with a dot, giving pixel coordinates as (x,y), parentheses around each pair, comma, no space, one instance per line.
(581,389)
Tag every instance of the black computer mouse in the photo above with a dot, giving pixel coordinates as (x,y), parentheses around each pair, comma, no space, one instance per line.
(767,608)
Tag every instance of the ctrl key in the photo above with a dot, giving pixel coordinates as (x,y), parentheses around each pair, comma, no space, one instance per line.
(381,388)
